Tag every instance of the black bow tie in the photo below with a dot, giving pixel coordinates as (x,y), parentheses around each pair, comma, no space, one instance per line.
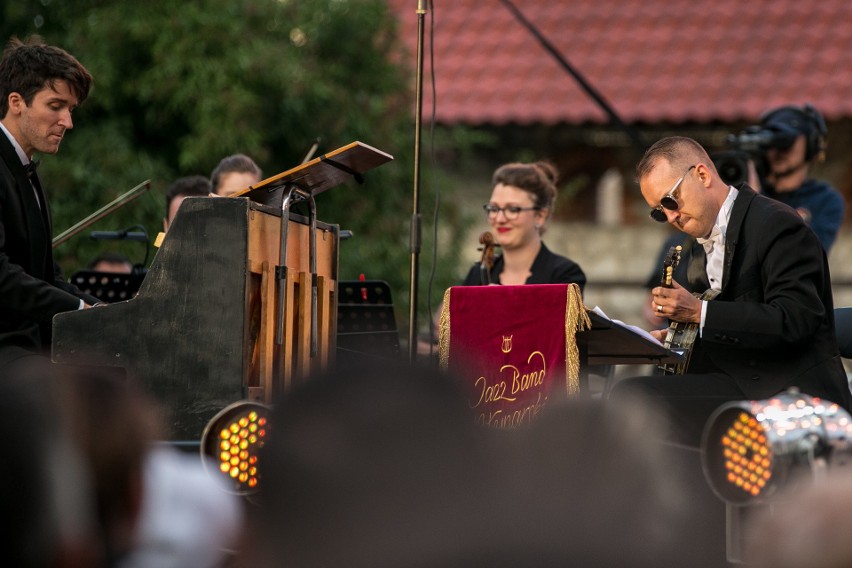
(32,167)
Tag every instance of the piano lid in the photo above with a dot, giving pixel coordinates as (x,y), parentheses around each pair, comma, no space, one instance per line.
(320,174)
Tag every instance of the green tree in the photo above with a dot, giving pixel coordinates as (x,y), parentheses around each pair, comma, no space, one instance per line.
(180,85)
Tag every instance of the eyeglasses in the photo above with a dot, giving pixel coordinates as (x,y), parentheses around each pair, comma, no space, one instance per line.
(511,212)
(669,200)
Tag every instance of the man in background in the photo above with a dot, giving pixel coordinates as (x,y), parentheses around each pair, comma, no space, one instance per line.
(801,132)
(234,173)
(110,261)
(181,188)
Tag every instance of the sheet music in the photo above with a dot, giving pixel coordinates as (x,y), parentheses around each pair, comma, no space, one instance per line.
(633,328)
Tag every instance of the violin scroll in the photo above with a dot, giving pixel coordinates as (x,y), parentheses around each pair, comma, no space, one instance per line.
(486,263)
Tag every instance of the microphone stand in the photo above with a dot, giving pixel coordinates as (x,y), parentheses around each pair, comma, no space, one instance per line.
(119,201)
(415,239)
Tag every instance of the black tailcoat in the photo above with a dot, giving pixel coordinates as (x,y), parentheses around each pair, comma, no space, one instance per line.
(32,289)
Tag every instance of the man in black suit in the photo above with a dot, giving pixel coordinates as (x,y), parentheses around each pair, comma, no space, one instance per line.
(771,326)
(40,86)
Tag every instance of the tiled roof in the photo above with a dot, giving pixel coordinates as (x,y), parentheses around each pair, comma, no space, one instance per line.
(652,60)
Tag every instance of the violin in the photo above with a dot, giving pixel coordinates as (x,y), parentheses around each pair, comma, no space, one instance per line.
(486,263)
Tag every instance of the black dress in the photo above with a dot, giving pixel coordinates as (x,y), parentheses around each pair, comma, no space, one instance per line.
(547,268)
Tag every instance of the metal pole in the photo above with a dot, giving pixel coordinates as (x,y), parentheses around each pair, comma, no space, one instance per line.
(415,237)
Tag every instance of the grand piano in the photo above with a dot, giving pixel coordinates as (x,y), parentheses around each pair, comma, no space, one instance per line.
(222,315)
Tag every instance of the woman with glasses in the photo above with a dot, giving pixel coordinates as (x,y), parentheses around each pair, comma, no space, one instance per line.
(521,202)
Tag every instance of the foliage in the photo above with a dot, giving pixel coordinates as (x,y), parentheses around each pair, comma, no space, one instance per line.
(180,85)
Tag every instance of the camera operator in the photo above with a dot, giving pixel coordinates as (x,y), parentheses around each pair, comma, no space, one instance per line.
(792,138)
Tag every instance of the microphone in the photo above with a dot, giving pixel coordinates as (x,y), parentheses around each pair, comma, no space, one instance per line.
(119,236)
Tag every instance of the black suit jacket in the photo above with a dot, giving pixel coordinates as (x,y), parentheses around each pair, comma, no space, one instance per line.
(772,325)
(32,289)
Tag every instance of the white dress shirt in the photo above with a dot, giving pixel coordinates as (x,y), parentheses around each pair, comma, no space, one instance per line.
(714,247)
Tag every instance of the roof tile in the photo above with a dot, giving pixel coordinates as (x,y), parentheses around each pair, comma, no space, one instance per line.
(653,60)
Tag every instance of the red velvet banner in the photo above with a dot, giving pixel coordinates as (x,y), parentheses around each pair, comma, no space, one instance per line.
(510,345)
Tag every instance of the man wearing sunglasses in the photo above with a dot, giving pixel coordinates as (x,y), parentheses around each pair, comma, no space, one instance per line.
(771,326)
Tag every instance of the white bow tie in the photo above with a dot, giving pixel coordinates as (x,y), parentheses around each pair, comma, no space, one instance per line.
(714,239)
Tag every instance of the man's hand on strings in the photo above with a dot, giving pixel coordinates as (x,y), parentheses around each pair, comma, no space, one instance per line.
(676,304)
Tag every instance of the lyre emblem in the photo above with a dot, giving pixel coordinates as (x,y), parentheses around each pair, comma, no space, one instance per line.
(506,346)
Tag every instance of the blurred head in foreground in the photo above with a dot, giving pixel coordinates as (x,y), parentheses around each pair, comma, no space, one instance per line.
(385,467)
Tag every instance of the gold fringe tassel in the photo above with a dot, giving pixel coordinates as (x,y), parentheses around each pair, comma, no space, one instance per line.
(444,333)
(576,319)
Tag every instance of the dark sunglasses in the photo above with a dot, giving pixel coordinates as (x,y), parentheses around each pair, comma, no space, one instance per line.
(669,200)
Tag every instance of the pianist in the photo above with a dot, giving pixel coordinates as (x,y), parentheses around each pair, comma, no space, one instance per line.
(40,85)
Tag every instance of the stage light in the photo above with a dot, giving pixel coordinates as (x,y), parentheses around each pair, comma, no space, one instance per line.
(231,442)
(751,449)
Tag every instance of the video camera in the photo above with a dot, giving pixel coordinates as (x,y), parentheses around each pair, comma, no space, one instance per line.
(778,129)
(756,140)
(751,144)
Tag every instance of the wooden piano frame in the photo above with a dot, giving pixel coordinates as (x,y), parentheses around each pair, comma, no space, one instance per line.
(292,359)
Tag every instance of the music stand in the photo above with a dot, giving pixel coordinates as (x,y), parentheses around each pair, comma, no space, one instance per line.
(108,286)
(365,320)
(608,343)
(318,175)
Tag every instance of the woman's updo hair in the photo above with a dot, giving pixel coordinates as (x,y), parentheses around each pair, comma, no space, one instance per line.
(538,179)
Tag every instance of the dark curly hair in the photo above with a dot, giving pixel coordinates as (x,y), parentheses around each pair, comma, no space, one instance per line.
(28,67)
